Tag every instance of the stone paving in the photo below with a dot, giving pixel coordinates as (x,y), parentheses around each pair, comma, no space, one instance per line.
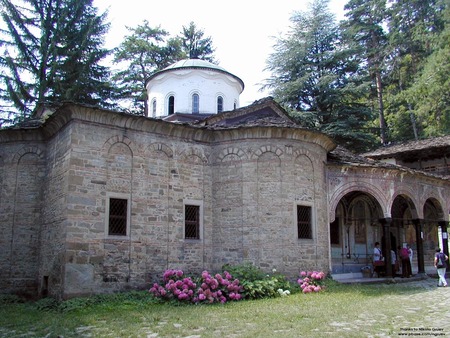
(422,314)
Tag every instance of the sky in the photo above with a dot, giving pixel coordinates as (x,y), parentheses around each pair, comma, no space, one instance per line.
(243,32)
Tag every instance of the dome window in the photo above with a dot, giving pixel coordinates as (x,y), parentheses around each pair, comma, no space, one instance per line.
(171,105)
(195,104)
(219,104)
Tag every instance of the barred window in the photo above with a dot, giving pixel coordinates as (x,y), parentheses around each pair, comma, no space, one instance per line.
(304,222)
(192,222)
(118,212)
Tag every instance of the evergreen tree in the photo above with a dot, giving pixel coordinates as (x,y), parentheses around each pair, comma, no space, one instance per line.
(314,76)
(140,54)
(52,51)
(194,45)
(413,26)
(430,92)
(364,33)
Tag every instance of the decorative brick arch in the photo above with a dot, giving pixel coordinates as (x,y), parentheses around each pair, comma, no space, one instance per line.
(265,149)
(237,152)
(194,152)
(28,150)
(161,147)
(119,139)
(361,186)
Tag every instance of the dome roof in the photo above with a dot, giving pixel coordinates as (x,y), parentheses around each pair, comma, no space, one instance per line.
(198,64)
(194,63)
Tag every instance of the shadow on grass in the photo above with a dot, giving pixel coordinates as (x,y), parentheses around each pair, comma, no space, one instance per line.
(381,289)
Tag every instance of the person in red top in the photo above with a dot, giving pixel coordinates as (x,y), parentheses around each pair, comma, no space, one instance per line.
(406,263)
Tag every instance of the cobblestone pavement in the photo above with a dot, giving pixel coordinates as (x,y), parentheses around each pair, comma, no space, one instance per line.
(424,313)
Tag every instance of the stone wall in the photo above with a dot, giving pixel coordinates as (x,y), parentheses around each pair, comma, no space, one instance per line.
(248,190)
(22,174)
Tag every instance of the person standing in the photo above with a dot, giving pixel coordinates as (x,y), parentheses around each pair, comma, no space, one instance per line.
(394,263)
(410,253)
(378,264)
(440,262)
(406,263)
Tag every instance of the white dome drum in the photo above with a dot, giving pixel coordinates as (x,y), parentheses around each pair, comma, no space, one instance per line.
(192,86)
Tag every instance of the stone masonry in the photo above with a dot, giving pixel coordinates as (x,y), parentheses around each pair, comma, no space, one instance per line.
(57,180)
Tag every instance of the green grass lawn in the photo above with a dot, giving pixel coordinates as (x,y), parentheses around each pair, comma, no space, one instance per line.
(340,311)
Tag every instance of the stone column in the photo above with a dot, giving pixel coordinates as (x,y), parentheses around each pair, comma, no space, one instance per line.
(386,223)
(419,241)
(444,225)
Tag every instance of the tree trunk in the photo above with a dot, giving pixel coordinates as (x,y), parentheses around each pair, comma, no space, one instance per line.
(379,86)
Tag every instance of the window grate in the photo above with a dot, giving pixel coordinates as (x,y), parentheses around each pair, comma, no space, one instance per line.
(117,217)
(304,222)
(192,221)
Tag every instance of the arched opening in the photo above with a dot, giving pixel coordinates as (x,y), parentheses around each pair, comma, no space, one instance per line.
(434,229)
(403,234)
(354,231)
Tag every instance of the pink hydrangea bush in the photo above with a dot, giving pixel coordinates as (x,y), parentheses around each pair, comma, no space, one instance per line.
(208,289)
(176,287)
(311,281)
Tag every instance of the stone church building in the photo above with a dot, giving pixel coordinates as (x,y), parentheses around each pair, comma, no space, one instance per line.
(96,201)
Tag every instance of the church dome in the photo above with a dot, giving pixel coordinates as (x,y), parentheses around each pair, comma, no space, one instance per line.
(193,86)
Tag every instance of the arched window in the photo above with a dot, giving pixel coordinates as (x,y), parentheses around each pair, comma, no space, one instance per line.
(219,104)
(154,108)
(171,105)
(195,104)
(235,105)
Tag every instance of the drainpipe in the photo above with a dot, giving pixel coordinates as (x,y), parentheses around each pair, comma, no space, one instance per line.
(443,225)
(418,226)
(386,223)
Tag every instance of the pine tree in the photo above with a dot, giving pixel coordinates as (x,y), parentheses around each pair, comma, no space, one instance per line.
(143,52)
(52,51)
(194,45)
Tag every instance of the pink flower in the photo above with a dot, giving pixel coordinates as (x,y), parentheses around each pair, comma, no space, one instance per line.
(201,297)
(303,274)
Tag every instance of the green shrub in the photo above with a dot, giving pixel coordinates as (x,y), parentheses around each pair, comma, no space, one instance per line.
(257,283)
(245,272)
